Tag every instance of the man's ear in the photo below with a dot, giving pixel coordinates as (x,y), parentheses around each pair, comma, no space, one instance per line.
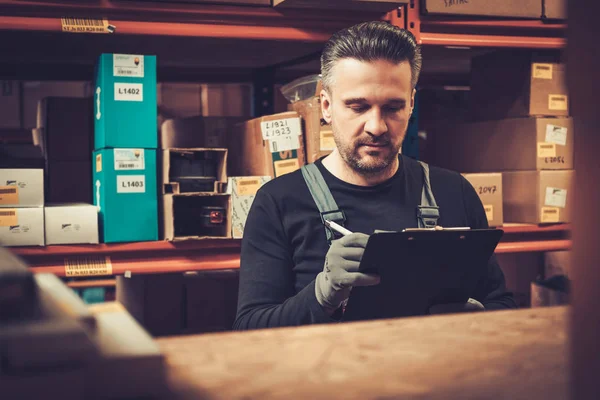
(412,100)
(326,106)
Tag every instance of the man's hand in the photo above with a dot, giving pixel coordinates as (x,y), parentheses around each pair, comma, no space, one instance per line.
(340,272)
(471,305)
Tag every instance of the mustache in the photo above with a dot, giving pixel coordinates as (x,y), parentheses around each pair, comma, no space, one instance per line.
(377,141)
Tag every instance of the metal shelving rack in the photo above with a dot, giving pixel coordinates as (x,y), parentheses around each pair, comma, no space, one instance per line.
(264,39)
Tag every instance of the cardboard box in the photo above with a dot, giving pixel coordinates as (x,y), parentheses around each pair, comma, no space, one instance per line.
(22,226)
(242,190)
(10,104)
(71,223)
(557,263)
(516,144)
(21,156)
(318,135)
(555,9)
(270,145)
(489,190)
(197,132)
(35,91)
(126,193)
(184,170)
(183,216)
(66,125)
(178,100)
(21,187)
(512,83)
(506,8)
(537,197)
(125,102)
(69,182)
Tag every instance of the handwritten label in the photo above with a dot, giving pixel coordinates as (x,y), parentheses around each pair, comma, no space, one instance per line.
(129,159)
(557,102)
(129,91)
(283,167)
(541,71)
(247,186)
(8,217)
(130,65)
(546,149)
(550,214)
(88,266)
(487,189)
(556,197)
(489,211)
(326,142)
(280,127)
(284,143)
(131,184)
(554,160)
(9,194)
(556,134)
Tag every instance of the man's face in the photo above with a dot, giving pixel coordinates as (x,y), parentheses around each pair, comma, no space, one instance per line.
(368,106)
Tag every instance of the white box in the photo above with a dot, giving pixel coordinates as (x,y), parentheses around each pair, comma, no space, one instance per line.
(242,190)
(21,188)
(22,226)
(71,223)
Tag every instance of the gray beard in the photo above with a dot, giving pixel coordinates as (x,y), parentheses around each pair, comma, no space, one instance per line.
(349,154)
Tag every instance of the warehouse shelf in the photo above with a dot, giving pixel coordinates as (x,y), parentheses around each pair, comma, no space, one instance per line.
(217,254)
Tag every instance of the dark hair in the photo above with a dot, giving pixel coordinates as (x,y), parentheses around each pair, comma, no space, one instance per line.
(371,41)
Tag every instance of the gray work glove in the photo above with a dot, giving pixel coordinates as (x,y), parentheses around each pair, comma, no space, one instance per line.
(340,272)
(471,305)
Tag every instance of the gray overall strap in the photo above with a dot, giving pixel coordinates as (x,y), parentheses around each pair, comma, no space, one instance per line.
(428,212)
(323,198)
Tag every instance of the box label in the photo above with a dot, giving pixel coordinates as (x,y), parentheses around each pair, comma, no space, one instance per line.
(556,134)
(129,159)
(489,211)
(9,195)
(280,127)
(247,186)
(546,149)
(284,143)
(283,167)
(8,217)
(88,266)
(557,102)
(129,91)
(541,71)
(130,65)
(550,214)
(131,184)
(556,197)
(326,142)
(98,162)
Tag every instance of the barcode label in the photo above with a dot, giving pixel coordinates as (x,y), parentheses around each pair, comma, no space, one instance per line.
(7,213)
(88,266)
(85,25)
(247,187)
(8,217)
(126,166)
(129,159)
(9,195)
(8,191)
(130,65)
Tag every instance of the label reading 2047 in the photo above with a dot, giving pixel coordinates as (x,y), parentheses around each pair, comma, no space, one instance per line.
(129,91)
(131,184)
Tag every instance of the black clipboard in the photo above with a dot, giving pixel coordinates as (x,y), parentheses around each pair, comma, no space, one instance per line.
(419,269)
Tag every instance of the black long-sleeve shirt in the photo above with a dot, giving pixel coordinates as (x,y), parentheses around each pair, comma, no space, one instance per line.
(284,242)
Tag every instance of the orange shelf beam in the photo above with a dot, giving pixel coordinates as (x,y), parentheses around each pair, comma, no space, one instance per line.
(533,246)
(95,283)
(448,39)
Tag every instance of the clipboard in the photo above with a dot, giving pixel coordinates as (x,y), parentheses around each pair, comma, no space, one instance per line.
(419,269)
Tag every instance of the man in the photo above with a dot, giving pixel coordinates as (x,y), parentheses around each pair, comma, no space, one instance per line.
(291,273)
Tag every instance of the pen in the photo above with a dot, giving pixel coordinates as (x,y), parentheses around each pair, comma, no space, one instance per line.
(338,228)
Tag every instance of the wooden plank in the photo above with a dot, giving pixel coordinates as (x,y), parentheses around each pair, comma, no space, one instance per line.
(506,355)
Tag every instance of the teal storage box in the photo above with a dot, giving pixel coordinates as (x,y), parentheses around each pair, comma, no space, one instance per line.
(125,111)
(126,193)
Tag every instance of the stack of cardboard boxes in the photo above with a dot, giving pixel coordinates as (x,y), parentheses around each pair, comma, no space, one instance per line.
(125,141)
(523,134)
